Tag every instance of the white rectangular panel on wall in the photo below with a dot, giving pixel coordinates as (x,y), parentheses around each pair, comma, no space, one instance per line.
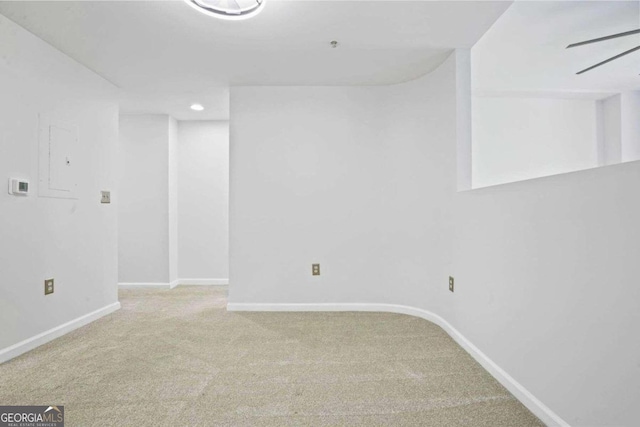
(58,146)
(61,144)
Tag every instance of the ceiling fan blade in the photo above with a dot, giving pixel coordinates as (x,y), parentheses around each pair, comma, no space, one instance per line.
(609,60)
(600,39)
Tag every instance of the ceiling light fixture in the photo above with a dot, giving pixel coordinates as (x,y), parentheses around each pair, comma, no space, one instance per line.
(228,9)
(197,107)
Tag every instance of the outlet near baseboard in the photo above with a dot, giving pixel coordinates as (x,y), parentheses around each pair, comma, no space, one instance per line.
(451,282)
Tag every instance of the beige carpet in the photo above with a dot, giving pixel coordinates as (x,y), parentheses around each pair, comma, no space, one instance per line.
(177,358)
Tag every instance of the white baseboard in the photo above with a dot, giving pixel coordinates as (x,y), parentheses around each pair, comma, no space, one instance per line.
(134,285)
(204,282)
(543,412)
(171,285)
(43,338)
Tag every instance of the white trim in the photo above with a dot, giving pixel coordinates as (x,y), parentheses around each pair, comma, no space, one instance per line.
(208,282)
(43,338)
(171,285)
(134,285)
(543,412)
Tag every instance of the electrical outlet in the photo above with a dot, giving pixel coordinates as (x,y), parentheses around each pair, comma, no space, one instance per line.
(48,286)
(106,197)
(315,269)
(451,281)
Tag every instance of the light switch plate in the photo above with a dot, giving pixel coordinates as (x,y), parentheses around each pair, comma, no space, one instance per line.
(106,197)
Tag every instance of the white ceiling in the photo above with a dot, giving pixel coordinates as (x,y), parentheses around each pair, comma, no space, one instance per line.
(525,51)
(165,56)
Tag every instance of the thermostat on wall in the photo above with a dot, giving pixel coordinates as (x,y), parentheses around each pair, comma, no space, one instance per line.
(18,187)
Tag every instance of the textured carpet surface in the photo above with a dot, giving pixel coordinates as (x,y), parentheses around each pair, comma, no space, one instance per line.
(178,358)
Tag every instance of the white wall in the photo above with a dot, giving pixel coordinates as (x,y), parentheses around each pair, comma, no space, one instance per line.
(72,241)
(203,194)
(630,125)
(358,179)
(546,285)
(144,215)
(172,172)
(464,128)
(363,181)
(609,130)
(523,138)
(174,211)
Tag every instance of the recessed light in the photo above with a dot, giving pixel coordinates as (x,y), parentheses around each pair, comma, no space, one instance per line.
(227,9)
(197,107)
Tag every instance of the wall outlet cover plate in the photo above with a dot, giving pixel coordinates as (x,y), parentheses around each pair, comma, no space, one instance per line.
(105,197)
(451,282)
(48,286)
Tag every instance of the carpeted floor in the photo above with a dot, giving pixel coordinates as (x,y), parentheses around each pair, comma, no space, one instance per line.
(177,358)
